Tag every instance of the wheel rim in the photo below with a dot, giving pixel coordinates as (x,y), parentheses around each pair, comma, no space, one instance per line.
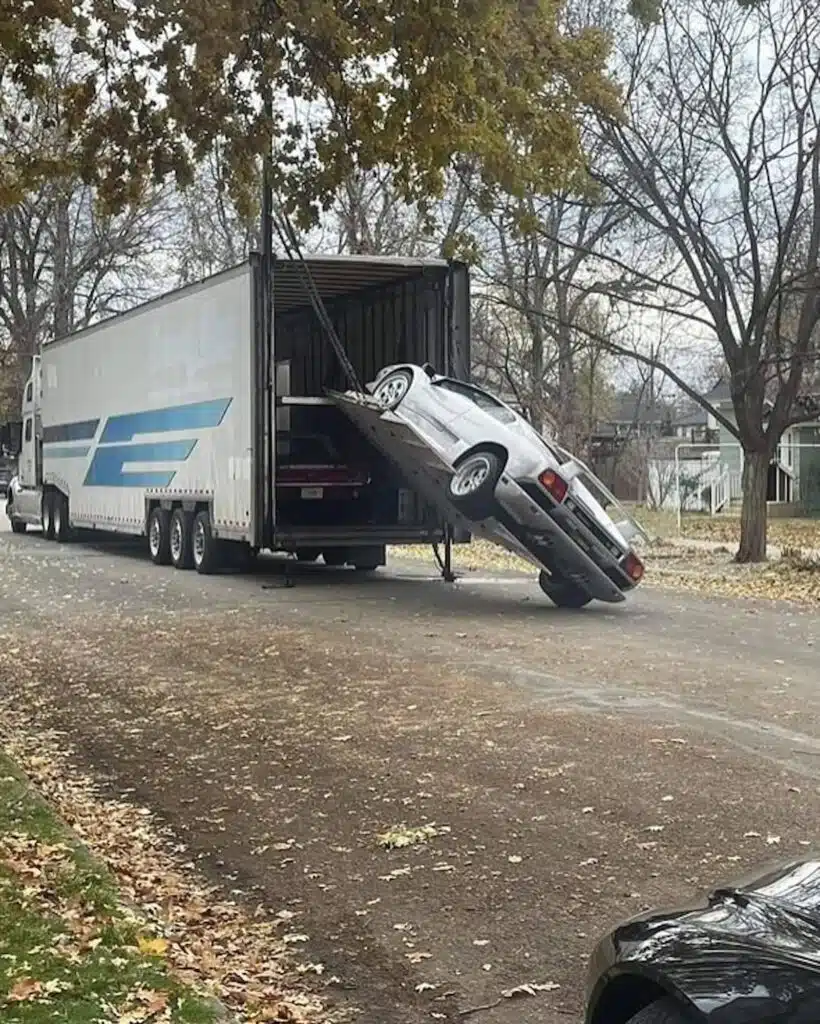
(392,390)
(176,540)
(471,476)
(199,542)
(155,535)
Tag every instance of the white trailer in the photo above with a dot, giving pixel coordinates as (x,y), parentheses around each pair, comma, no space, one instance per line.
(172,421)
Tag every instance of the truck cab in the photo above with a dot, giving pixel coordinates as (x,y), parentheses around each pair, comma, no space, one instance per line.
(24,496)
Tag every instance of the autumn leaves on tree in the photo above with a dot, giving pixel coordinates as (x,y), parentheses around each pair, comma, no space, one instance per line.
(356,86)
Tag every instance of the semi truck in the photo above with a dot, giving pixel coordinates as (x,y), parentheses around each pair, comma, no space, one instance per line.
(189,422)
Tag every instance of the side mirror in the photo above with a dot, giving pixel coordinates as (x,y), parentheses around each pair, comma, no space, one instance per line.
(429,370)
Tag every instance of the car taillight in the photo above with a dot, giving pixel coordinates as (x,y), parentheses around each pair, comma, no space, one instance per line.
(556,485)
(634,567)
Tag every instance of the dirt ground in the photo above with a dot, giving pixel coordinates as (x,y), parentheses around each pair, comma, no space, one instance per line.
(575,767)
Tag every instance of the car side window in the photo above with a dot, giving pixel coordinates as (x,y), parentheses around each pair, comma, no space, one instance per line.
(28,429)
(479,398)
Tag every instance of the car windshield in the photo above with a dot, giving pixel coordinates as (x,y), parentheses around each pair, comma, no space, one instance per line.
(479,398)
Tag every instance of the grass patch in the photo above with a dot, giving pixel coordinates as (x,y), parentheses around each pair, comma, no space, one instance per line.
(69,950)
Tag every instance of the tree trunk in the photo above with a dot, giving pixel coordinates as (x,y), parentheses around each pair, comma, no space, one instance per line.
(753,512)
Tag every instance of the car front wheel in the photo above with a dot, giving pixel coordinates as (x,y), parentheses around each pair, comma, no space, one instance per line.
(561,593)
(663,1011)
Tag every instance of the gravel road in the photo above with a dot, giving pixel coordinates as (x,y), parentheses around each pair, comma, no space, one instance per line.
(577,766)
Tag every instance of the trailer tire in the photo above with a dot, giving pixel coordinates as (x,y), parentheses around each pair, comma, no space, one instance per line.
(62,527)
(47,515)
(206,550)
(180,538)
(159,536)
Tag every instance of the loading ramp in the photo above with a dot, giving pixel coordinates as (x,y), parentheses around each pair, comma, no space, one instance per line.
(421,466)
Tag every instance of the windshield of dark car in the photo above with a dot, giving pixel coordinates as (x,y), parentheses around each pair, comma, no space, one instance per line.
(479,398)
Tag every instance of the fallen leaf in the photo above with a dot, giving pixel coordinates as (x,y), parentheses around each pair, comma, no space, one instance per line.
(24,990)
(152,947)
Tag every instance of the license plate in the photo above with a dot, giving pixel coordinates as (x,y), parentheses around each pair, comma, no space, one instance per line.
(312,493)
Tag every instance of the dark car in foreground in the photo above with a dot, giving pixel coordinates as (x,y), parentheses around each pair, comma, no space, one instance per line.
(750,952)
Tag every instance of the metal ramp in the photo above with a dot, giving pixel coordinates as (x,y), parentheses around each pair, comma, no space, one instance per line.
(422,468)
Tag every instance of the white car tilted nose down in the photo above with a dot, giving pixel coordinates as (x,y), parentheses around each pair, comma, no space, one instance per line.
(511,485)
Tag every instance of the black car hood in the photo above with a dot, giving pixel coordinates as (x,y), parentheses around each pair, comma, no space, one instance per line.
(754,943)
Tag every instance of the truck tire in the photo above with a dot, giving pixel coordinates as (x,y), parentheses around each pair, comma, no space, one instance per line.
(307,554)
(472,485)
(18,526)
(62,528)
(206,549)
(180,539)
(47,515)
(159,536)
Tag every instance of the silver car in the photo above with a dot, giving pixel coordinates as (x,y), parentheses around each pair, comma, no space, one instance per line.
(525,492)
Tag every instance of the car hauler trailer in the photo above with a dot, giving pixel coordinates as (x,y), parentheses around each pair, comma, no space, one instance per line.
(181,420)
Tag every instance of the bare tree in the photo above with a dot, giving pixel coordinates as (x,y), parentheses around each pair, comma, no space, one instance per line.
(719,160)
(63,262)
(212,233)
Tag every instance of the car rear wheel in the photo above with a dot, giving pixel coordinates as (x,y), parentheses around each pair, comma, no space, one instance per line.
(472,486)
(392,389)
(561,593)
(663,1011)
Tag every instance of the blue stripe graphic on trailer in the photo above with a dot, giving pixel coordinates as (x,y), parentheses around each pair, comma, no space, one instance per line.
(84,431)
(160,421)
(65,453)
(107,468)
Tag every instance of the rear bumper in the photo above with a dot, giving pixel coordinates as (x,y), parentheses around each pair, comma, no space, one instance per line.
(547,535)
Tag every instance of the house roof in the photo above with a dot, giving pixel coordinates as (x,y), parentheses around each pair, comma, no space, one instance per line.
(637,409)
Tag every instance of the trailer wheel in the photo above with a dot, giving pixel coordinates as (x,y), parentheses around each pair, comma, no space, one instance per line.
(181,547)
(62,529)
(47,515)
(159,536)
(205,548)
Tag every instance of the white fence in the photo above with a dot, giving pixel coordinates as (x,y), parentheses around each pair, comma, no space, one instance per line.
(708,478)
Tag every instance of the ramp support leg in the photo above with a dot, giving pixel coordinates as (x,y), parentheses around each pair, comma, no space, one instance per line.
(447,573)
